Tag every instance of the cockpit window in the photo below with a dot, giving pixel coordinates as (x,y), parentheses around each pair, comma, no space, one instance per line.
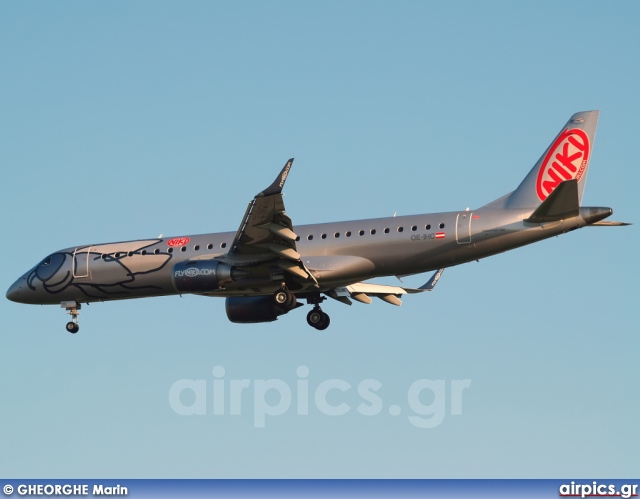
(49,266)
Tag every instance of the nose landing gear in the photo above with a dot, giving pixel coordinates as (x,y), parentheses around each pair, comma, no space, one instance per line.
(72,308)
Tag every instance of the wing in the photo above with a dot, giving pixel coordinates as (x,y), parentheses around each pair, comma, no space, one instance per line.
(361,291)
(266,233)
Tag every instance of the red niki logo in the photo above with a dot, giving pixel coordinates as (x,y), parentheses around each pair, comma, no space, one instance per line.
(566,160)
(178,241)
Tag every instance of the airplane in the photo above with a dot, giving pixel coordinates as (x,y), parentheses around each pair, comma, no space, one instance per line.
(268,266)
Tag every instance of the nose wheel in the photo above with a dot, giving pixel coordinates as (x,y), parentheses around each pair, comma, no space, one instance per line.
(72,308)
(318,319)
(73,327)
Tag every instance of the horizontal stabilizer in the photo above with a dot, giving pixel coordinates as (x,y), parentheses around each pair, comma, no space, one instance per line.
(609,223)
(561,204)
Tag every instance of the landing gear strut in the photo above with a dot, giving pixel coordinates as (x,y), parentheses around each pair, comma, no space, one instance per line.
(72,308)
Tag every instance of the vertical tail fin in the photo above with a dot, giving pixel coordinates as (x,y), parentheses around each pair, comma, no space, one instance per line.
(567,158)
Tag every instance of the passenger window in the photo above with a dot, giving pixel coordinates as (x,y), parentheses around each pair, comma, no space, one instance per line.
(414,228)
(442,226)
(386,231)
(324,236)
(310,237)
(196,247)
(209,246)
(400,229)
(427,227)
(336,235)
(361,233)
(373,232)
(348,233)
(223,245)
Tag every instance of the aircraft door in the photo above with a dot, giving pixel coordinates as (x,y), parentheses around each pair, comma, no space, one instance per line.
(81,262)
(463,227)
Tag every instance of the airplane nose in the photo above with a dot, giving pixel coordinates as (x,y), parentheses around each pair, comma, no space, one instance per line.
(16,291)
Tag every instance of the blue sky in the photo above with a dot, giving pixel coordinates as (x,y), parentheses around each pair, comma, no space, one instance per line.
(124,120)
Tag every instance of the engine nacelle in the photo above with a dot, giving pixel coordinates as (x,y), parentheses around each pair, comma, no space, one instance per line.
(201,276)
(251,309)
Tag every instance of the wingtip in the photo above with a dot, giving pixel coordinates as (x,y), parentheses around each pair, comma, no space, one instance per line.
(431,283)
(278,183)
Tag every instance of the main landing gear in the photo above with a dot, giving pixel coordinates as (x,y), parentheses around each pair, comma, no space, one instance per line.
(72,308)
(317,318)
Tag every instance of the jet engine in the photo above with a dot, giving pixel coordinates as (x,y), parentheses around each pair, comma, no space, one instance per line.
(251,309)
(201,276)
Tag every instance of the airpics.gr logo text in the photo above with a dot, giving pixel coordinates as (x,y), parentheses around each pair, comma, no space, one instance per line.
(426,402)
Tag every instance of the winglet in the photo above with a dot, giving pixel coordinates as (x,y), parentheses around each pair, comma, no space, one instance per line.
(431,283)
(278,183)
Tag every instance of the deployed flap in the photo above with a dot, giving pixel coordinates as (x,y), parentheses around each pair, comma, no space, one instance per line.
(561,204)
(376,289)
(266,232)
(360,291)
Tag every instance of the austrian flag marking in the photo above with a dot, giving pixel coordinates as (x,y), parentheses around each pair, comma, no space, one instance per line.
(439,235)
(566,159)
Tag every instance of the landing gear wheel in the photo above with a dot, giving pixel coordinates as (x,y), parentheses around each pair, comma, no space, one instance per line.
(281,296)
(318,319)
(314,317)
(326,320)
(285,299)
(72,327)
